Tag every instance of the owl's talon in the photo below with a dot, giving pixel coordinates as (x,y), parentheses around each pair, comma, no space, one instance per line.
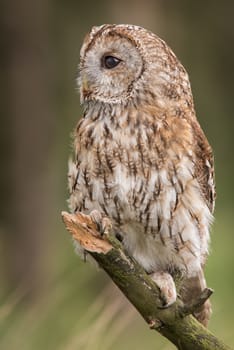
(166,306)
(96,217)
(119,236)
(104,225)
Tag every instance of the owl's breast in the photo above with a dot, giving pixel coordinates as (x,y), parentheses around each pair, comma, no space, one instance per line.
(148,188)
(115,171)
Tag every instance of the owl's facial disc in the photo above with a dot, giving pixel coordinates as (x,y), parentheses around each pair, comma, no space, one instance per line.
(110,66)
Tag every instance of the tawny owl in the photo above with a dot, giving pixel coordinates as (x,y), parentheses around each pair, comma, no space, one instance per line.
(141,158)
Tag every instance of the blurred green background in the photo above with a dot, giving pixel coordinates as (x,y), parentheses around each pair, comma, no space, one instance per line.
(49,298)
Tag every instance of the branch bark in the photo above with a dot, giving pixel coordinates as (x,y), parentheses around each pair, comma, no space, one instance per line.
(174,323)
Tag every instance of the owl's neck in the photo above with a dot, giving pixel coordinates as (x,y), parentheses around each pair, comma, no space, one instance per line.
(158,106)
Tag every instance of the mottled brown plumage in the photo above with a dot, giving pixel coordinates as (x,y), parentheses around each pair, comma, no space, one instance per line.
(141,157)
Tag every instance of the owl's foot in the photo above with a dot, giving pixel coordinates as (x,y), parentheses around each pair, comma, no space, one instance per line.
(104,224)
(167,287)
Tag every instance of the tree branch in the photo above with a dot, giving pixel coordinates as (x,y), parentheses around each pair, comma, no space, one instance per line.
(174,322)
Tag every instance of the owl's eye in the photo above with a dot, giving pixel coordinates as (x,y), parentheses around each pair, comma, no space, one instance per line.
(110,62)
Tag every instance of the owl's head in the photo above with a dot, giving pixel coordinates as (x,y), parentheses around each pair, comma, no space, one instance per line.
(121,63)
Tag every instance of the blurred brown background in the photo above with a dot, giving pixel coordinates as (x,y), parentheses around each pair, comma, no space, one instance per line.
(50,299)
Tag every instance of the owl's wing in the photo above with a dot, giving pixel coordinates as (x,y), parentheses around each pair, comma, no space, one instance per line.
(204,166)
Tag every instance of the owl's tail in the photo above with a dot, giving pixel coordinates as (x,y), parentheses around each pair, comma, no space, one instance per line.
(192,288)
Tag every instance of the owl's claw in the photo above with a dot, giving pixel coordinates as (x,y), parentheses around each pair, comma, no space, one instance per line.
(166,306)
(104,224)
(167,288)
